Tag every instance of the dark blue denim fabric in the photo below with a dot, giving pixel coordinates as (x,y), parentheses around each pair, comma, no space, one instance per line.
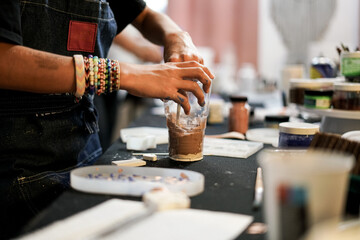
(40,145)
(52,34)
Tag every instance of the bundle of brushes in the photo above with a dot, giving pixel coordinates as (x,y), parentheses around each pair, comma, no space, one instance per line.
(335,143)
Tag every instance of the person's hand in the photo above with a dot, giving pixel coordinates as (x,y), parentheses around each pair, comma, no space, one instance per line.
(180,48)
(166,81)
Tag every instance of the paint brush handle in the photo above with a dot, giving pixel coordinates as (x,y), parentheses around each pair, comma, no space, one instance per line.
(259,189)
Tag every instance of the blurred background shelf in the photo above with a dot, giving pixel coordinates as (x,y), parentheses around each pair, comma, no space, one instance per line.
(334,113)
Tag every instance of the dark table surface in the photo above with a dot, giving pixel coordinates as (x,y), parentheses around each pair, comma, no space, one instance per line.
(229,182)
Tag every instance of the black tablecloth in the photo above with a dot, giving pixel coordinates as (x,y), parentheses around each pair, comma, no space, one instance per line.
(229,182)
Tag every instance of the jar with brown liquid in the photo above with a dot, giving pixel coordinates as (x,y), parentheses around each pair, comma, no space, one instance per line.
(239,114)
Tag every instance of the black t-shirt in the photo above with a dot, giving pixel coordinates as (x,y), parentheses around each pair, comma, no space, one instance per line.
(10,22)
(125,11)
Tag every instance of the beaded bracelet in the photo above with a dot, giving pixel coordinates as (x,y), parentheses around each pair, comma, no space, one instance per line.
(96,69)
(117,64)
(80,76)
(91,76)
(101,75)
(108,77)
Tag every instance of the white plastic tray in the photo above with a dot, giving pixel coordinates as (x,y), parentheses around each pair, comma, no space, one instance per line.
(134,181)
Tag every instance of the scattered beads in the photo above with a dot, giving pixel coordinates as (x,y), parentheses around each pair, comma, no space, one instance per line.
(183,178)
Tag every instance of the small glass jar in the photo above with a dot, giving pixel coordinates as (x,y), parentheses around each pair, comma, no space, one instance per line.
(239,114)
(350,66)
(298,87)
(296,134)
(346,96)
(216,115)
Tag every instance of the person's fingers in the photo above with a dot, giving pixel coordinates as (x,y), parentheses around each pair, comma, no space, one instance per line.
(199,74)
(185,58)
(201,60)
(181,98)
(196,64)
(192,86)
(174,58)
(193,57)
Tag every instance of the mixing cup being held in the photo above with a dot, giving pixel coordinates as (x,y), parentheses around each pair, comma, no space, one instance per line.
(186,132)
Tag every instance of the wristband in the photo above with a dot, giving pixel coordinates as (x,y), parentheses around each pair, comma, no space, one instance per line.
(80,76)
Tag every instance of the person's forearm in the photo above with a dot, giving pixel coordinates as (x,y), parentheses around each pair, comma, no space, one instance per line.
(161,30)
(156,27)
(30,70)
(139,46)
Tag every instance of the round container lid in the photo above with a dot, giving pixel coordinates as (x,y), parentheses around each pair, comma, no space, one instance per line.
(238,98)
(350,54)
(322,60)
(352,135)
(311,83)
(346,86)
(276,118)
(298,128)
(319,92)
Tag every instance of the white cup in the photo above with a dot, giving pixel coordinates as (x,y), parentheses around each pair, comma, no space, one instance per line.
(323,177)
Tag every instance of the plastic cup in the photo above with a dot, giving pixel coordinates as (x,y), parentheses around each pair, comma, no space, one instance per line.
(186,132)
(302,188)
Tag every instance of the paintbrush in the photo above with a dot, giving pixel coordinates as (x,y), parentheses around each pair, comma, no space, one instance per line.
(335,143)
(259,189)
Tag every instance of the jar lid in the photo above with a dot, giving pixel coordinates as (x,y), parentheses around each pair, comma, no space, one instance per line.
(327,93)
(311,83)
(298,128)
(346,86)
(350,54)
(238,98)
(276,118)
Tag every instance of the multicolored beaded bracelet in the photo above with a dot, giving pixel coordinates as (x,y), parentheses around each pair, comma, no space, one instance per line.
(91,76)
(101,75)
(96,69)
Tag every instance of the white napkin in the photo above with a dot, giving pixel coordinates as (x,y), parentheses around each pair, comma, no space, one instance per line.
(173,224)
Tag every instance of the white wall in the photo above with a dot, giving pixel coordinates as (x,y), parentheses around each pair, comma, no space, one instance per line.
(344,27)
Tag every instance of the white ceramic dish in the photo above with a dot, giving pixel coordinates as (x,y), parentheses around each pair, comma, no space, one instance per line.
(135,181)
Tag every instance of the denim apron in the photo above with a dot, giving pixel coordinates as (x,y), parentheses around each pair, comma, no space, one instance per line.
(43,137)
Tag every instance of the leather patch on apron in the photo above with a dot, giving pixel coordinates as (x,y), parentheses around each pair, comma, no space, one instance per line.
(82,36)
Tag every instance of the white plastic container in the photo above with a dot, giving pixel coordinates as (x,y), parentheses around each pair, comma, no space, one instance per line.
(322,176)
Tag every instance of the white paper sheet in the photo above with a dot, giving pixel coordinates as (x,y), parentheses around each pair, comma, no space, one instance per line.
(230,148)
(173,224)
(161,134)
